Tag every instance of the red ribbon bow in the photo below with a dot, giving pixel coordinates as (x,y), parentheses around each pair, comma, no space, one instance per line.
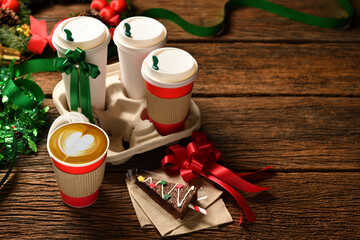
(200,158)
(109,12)
(39,38)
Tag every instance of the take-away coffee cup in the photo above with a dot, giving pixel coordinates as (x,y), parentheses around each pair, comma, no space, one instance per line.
(169,75)
(78,150)
(135,38)
(92,36)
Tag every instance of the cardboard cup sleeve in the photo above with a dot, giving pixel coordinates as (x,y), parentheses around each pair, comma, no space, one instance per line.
(167,111)
(80,185)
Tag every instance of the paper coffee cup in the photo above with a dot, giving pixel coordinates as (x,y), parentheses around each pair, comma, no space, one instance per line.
(92,36)
(79,183)
(147,34)
(169,86)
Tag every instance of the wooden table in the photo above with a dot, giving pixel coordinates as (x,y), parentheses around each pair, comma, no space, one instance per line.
(271,91)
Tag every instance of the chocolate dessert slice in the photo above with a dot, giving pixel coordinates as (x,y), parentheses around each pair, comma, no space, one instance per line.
(173,197)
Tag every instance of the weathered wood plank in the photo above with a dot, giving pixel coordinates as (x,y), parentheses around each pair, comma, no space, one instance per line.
(300,205)
(237,69)
(244,24)
(291,133)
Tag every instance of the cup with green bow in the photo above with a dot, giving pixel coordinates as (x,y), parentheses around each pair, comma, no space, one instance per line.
(81,44)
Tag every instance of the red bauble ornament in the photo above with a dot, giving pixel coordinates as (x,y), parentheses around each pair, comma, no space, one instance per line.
(11,4)
(99,4)
(118,5)
(107,13)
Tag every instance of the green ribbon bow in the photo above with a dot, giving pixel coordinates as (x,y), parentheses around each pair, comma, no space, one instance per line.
(74,64)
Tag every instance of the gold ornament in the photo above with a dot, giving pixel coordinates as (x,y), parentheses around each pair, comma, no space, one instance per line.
(24,29)
(8,54)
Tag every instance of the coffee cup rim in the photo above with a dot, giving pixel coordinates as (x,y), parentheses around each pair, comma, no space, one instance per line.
(146,70)
(163,84)
(127,48)
(60,48)
(74,164)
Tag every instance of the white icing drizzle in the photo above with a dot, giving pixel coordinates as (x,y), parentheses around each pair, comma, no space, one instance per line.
(162,188)
(182,201)
(171,189)
(202,198)
(149,178)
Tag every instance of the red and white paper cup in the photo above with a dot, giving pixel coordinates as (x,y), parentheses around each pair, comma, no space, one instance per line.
(144,34)
(169,75)
(79,184)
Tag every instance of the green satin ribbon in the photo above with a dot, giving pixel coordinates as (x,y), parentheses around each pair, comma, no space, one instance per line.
(15,90)
(261,4)
(35,65)
(74,65)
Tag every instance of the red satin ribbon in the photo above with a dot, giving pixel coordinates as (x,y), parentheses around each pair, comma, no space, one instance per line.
(200,158)
(39,38)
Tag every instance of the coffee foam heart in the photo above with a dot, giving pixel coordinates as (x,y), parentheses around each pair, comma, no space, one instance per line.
(78,143)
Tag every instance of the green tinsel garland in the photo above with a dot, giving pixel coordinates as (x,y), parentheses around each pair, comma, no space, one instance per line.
(19,123)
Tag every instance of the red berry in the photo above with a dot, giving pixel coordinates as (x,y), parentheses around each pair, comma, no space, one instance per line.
(11,4)
(107,13)
(119,5)
(99,4)
(114,21)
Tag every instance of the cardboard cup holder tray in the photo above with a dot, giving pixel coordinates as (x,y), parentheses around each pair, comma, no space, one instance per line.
(125,120)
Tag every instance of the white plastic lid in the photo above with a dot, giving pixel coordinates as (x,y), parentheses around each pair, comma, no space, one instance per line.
(175,66)
(87,33)
(145,32)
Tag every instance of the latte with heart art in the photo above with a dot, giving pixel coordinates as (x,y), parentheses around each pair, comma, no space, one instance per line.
(78,143)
